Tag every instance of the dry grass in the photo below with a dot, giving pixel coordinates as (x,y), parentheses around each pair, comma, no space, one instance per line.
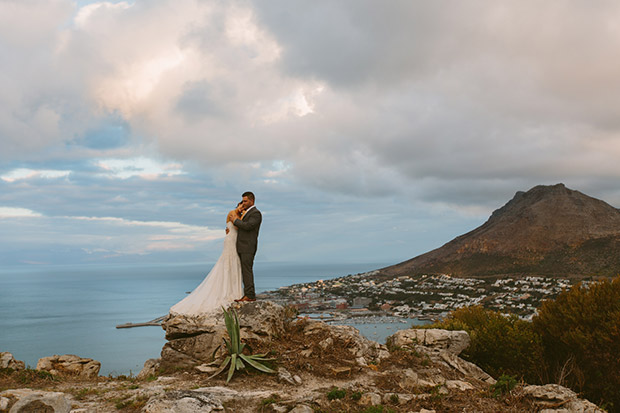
(298,352)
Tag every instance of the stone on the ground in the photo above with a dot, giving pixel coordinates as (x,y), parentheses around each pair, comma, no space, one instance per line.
(70,364)
(7,361)
(37,401)
(458,385)
(183,401)
(151,366)
(549,396)
(207,368)
(302,408)
(432,339)
(466,368)
(4,403)
(409,380)
(285,376)
(370,399)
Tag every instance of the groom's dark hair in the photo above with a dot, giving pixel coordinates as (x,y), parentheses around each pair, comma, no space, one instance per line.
(250,195)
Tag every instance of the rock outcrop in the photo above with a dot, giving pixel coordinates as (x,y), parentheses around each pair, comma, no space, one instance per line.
(194,340)
(431,340)
(443,347)
(70,364)
(7,361)
(553,398)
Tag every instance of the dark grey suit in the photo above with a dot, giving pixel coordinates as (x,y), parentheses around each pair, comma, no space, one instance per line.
(247,243)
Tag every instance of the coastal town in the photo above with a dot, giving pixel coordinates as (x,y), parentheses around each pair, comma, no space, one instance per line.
(424,297)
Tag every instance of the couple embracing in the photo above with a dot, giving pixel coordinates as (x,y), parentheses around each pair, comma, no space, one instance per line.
(223,284)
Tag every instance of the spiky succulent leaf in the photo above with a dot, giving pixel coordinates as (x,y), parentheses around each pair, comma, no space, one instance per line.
(233,366)
(221,368)
(262,357)
(256,364)
(240,365)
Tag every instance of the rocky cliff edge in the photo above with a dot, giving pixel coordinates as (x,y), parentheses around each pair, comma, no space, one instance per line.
(320,367)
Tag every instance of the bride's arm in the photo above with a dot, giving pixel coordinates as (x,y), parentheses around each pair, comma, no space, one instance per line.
(232,215)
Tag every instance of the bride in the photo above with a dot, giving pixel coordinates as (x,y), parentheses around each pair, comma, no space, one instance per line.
(223,284)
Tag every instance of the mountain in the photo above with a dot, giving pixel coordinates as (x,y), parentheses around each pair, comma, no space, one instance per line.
(548,230)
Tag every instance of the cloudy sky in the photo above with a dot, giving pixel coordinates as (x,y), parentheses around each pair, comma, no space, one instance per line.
(370,131)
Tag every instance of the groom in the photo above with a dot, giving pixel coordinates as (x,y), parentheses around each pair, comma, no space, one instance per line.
(247,242)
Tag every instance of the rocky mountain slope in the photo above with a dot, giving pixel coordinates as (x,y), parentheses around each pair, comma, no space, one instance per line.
(548,230)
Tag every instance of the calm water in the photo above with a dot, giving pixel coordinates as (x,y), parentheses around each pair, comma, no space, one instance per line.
(75,309)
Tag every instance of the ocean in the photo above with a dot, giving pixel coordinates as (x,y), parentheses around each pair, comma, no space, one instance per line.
(75,309)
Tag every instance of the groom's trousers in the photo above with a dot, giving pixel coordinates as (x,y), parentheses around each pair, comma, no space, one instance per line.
(247,273)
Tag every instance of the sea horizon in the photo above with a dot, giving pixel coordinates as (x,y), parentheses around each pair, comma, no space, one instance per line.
(75,308)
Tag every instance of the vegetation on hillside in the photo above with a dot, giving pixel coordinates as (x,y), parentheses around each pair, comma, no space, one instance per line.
(574,341)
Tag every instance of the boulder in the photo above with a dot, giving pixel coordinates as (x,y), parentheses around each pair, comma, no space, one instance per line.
(441,346)
(28,400)
(70,364)
(151,366)
(466,368)
(194,340)
(432,339)
(555,398)
(263,318)
(7,361)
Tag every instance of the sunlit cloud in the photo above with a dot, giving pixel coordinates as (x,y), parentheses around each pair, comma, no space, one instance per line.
(24,173)
(10,212)
(86,12)
(142,167)
(195,232)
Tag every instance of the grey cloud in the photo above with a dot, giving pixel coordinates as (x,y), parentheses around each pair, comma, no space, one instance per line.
(466,94)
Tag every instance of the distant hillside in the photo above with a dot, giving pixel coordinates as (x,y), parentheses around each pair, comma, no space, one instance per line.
(548,230)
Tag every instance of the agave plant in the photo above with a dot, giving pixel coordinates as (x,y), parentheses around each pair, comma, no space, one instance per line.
(235,358)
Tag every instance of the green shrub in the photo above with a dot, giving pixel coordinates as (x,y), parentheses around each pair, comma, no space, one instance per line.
(336,394)
(356,395)
(503,385)
(499,344)
(580,331)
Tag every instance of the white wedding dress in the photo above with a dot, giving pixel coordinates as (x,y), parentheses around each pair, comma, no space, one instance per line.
(221,286)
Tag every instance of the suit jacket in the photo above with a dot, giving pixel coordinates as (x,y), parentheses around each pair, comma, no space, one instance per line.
(247,237)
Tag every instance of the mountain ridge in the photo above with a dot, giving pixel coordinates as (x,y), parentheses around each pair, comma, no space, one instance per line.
(548,230)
